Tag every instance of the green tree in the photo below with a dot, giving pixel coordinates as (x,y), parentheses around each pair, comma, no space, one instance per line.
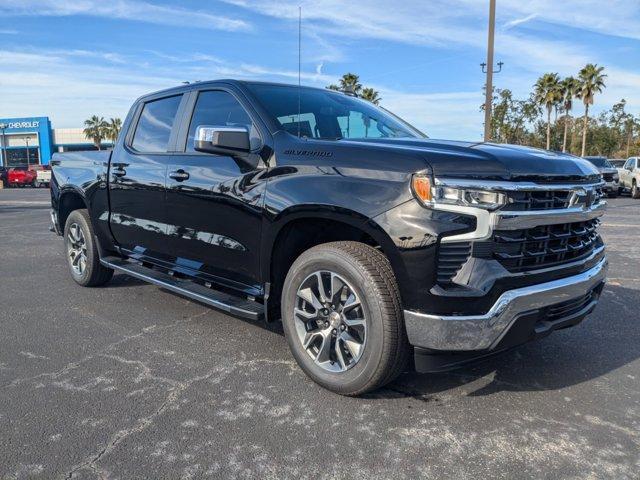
(113,129)
(350,82)
(631,126)
(96,129)
(568,90)
(547,94)
(371,95)
(591,81)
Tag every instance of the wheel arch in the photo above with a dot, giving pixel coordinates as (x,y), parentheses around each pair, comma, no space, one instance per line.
(70,199)
(304,226)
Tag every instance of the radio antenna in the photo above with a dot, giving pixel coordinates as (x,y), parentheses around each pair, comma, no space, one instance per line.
(299,62)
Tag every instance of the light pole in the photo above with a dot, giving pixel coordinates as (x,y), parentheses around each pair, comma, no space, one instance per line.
(489,71)
(27,140)
(3,157)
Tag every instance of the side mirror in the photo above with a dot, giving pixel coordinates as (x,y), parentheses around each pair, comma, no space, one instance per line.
(222,140)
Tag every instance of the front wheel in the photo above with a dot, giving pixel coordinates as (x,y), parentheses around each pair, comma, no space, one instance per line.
(343,319)
(82,252)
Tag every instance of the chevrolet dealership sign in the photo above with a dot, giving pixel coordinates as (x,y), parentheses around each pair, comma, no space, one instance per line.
(31,124)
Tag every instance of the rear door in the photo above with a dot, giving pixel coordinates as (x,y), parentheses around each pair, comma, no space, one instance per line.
(214,202)
(138,175)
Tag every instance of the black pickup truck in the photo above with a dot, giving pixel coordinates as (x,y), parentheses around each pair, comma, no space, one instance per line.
(372,243)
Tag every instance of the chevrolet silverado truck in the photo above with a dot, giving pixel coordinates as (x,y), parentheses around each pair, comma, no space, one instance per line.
(612,186)
(374,245)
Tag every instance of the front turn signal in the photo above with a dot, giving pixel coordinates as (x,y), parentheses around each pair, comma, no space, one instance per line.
(421,186)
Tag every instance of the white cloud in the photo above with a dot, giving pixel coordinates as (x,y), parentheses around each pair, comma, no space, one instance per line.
(134,10)
(519,21)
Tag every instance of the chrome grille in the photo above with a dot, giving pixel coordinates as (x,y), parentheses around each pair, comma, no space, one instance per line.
(544,246)
(530,200)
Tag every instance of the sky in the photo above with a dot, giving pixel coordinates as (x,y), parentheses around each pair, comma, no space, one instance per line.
(72,59)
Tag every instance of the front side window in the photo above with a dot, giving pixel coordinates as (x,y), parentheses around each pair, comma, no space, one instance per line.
(329,115)
(629,163)
(154,126)
(217,108)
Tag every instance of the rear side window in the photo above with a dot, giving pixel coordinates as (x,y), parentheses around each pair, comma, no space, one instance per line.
(154,127)
(218,108)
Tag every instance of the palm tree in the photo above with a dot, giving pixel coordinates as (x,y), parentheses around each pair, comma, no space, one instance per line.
(113,129)
(371,95)
(547,93)
(350,82)
(591,81)
(568,90)
(95,128)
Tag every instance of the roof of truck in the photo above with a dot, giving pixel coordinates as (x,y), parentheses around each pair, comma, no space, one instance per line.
(228,81)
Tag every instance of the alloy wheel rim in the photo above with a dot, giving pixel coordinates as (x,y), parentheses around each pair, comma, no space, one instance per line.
(77,249)
(330,321)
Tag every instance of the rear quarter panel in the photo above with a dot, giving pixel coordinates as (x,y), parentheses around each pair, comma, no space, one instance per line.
(84,174)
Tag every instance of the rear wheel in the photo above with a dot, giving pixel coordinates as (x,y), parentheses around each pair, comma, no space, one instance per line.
(342,317)
(82,252)
(635,191)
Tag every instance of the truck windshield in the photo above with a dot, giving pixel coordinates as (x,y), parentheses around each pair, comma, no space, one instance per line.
(599,162)
(329,115)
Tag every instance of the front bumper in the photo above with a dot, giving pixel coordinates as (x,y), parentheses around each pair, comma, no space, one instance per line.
(611,187)
(484,332)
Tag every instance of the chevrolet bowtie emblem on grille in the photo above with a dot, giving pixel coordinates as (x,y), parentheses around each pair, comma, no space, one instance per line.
(582,197)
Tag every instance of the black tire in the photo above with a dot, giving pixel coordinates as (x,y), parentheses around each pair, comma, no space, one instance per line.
(385,349)
(93,273)
(635,191)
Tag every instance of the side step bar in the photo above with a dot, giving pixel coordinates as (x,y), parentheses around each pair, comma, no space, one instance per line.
(228,303)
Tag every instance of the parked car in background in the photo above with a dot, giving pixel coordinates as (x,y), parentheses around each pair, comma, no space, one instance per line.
(20,176)
(630,176)
(43,175)
(618,163)
(609,175)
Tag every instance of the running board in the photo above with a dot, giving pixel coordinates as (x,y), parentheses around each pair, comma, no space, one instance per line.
(226,302)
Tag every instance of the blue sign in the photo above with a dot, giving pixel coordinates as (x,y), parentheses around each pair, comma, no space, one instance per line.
(37,125)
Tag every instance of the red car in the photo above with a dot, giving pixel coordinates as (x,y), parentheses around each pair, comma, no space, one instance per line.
(20,176)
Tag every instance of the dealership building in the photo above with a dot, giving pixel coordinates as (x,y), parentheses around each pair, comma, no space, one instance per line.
(26,141)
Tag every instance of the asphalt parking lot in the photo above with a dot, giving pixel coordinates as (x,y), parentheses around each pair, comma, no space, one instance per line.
(130,381)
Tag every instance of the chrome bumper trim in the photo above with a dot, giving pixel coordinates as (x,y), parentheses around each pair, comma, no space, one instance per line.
(505,220)
(484,332)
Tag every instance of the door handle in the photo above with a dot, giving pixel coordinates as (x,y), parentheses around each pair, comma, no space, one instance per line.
(179,175)
(118,172)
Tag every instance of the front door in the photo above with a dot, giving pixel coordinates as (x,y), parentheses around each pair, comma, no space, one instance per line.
(137,179)
(626,173)
(214,202)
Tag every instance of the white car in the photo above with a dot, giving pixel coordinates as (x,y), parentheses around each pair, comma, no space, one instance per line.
(630,176)
(43,175)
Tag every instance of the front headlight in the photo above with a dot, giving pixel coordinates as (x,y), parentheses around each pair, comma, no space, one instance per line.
(432,195)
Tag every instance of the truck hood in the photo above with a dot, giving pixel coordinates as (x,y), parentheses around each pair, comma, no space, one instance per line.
(491,161)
